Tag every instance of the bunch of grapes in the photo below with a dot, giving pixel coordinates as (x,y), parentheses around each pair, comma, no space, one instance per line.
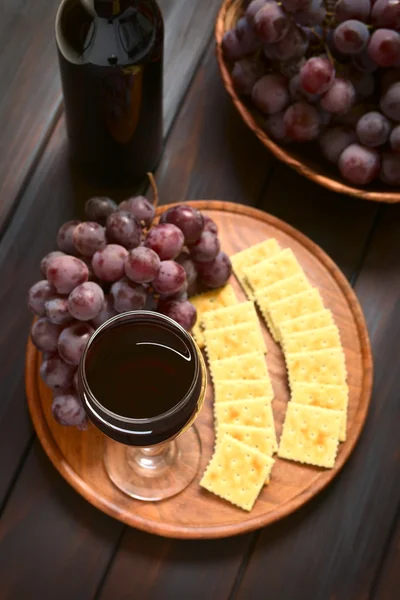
(117,261)
(325,70)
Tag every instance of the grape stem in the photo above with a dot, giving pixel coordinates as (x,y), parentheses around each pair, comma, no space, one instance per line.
(153,184)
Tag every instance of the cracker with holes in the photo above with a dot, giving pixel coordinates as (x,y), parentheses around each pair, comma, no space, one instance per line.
(250,257)
(234,341)
(236,473)
(310,435)
(250,413)
(242,389)
(245,312)
(320,366)
(247,366)
(210,301)
(255,437)
(307,341)
(281,266)
(322,318)
(300,304)
(333,397)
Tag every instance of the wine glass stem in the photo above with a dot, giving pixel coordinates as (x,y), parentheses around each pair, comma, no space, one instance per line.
(152,460)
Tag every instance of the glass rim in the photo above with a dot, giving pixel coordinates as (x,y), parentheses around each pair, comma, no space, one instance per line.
(131,315)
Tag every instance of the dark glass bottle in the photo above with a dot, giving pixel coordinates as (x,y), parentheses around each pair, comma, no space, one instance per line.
(111,62)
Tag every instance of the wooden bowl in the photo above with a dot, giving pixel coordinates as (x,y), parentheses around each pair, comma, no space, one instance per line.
(304,158)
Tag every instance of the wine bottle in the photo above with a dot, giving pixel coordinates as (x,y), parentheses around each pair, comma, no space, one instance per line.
(111,63)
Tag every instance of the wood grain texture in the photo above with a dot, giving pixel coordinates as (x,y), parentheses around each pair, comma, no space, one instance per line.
(341,537)
(195,513)
(388,581)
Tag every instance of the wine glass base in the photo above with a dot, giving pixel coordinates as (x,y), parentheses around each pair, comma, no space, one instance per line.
(151,475)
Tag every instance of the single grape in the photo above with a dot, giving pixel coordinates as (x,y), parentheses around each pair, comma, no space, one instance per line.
(107,312)
(45,335)
(216,273)
(67,410)
(317,75)
(189,220)
(313,15)
(166,240)
(57,311)
(210,225)
(65,240)
(333,141)
(109,263)
(302,122)
(275,127)
(99,209)
(253,9)
(89,237)
(351,37)
(206,248)
(170,278)
(124,229)
(359,165)
(86,301)
(140,208)
(339,98)
(72,342)
(142,265)
(373,129)
(394,139)
(127,295)
(190,268)
(66,272)
(38,295)
(363,62)
(390,169)
(47,260)
(270,94)
(384,47)
(56,374)
(183,312)
(386,13)
(271,23)
(390,102)
(352,9)
(293,45)
(292,6)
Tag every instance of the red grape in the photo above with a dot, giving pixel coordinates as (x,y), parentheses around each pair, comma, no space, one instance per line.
(240,42)
(312,15)
(89,237)
(56,373)
(302,122)
(210,225)
(351,37)
(270,94)
(57,310)
(72,342)
(99,208)
(189,266)
(390,102)
(66,272)
(47,260)
(339,98)
(124,229)
(109,263)
(246,73)
(275,127)
(390,170)
(293,45)
(86,301)
(358,164)
(334,141)
(183,312)
(384,47)
(352,9)
(317,75)
(166,240)
(38,295)
(373,129)
(67,409)
(216,273)
(189,220)
(386,13)
(298,93)
(107,312)
(65,240)
(170,278)
(394,139)
(142,265)
(271,23)
(206,248)
(127,295)
(140,208)
(45,335)
(253,9)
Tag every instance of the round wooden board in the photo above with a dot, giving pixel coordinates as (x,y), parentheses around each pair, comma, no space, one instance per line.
(195,513)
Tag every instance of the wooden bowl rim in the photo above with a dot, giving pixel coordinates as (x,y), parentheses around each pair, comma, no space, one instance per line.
(279,151)
(249,524)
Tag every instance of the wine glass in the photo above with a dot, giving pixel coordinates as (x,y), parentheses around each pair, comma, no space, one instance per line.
(142,380)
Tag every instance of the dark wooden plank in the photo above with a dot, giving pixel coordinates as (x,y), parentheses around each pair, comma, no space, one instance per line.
(388,583)
(47,532)
(333,548)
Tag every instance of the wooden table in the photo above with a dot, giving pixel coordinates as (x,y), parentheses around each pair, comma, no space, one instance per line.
(345,545)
